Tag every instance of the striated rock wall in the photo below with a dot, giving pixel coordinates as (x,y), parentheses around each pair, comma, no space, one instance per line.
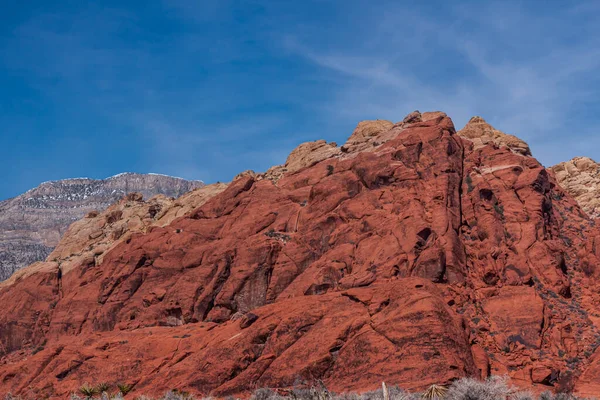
(418,259)
(32,224)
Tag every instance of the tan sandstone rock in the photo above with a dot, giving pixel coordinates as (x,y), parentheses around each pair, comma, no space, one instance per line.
(303,156)
(581,178)
(482,133)
(365,135)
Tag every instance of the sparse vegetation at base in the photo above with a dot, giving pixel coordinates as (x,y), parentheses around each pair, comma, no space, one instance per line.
(494,388)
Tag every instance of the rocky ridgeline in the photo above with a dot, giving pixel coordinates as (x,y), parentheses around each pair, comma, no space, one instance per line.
(32,224)
(412,254)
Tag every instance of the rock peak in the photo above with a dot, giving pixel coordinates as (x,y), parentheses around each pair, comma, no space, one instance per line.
(477,119)
(477,127)
(481,133)
(583,162)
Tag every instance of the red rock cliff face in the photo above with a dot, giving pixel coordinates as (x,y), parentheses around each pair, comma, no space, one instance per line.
(411,258)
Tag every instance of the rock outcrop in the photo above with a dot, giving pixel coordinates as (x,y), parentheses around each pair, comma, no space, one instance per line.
(482,133)
(87,240)
(368,134)
(32,224)
(581,178)
(305,155)
(418,259)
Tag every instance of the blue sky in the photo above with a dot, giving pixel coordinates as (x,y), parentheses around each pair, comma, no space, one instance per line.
(206,89)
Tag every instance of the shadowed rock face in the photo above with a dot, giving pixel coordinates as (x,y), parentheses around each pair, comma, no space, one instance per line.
(417,259)
(32,224)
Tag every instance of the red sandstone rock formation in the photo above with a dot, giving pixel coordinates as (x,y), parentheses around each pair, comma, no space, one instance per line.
(417,259)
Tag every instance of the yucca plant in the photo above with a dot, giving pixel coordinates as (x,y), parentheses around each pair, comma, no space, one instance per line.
(434,392)
(124,388)
(88,391)
(102,387)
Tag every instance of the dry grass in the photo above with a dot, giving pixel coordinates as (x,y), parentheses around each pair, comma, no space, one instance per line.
(495,388)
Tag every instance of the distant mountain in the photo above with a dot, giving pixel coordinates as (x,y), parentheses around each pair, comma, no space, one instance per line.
(32,224)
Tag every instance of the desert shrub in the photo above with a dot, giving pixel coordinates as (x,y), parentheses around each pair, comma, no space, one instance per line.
(469,182)
(395,393)
(494,388)
(177,395)
(310,394)
(266,394)
(559,396)
(103,396)
(522,396)
(313,393)
(566,383)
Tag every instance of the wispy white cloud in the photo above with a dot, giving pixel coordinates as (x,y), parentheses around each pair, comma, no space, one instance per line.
(206,89)
(526,73)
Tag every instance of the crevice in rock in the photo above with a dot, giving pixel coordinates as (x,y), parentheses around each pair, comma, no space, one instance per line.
(85,318)
(59,281)
(42,367)
(73,367)
(170,359)
(382,334)
(208,302)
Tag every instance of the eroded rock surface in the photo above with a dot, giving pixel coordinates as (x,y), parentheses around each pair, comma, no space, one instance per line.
(303,156)
(366,134)
(581,178)
(417,259)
